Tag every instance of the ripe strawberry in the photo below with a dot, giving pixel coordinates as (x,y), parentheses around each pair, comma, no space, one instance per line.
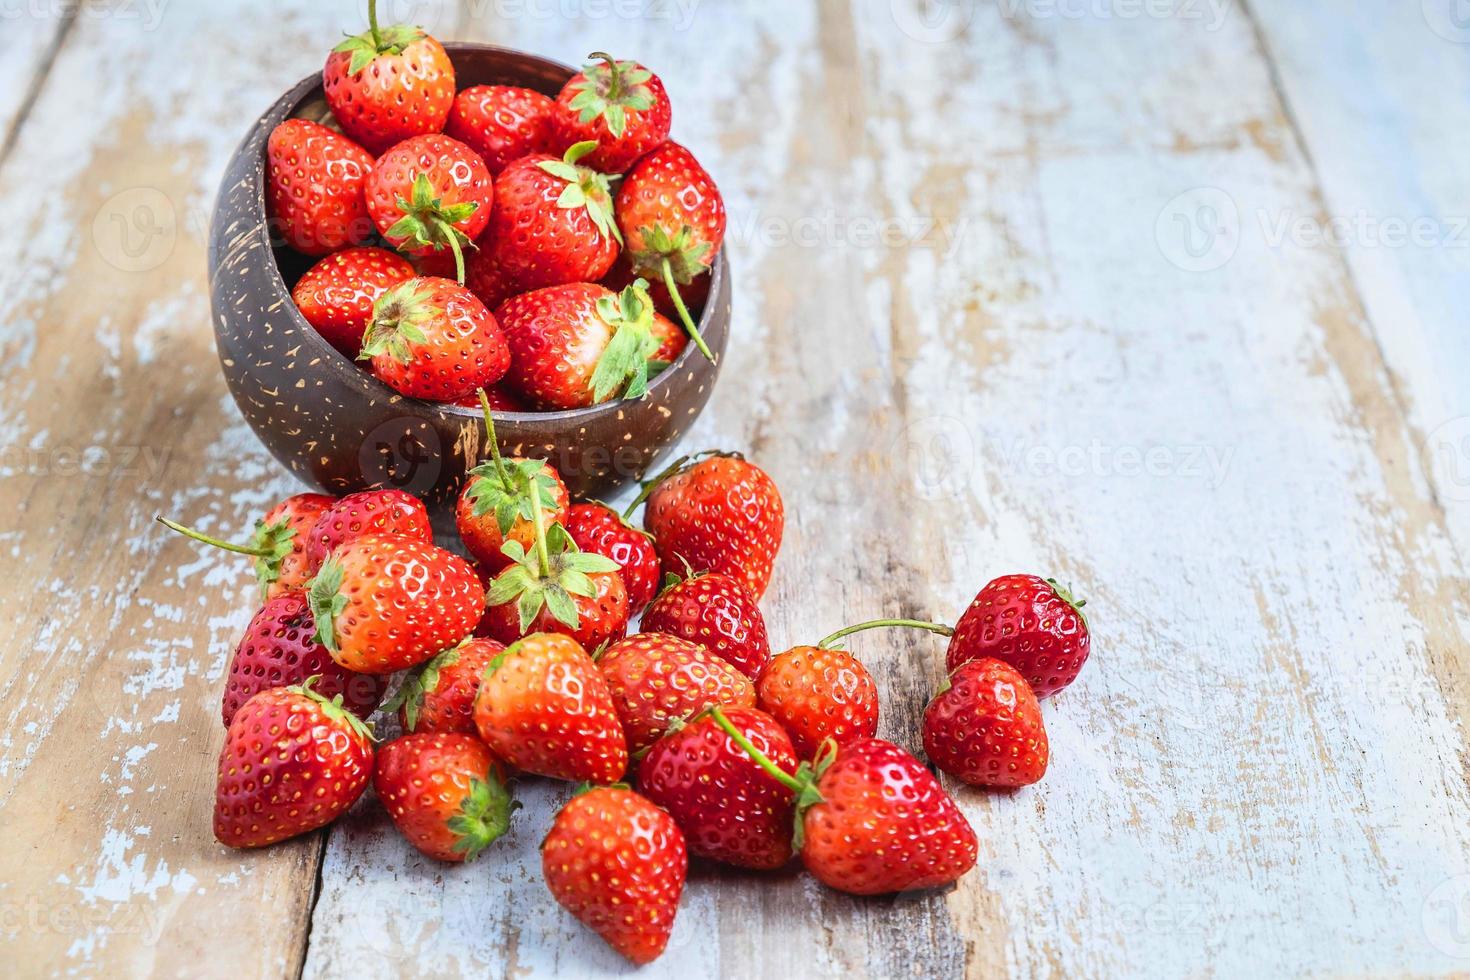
(292,762)
(818,694)
(617,863)
(336,295)
(503,123)
(483,277)
(717,514)
(728,807)
(279,648)
(619,104)
(556,589)
(385,602)
(445,792)
(366,512)
(430,338)
(1032,624)
(984,726)
(387,85)
(278,544)
(719,614)
(600,530)
(438,696)
(431,194)
(552,223)
(544,707)
(314,183)
(657,680)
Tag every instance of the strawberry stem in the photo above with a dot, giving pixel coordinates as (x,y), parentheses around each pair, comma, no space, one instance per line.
(493,442)
(543,560)
(677,466)
(1065,594)
(756,755)
(940,628)
(452,235)
(614,84)
(673,288)
(189,532)
(373,24)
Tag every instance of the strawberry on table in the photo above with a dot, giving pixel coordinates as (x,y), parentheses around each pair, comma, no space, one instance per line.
(438,696)
(431,194)
(279,543)
(620,105)
(431,338)
(657,680)
(314,182)
(446,794)
(602,531)
(818,694)
(984,726)
(718,613)
(1031,623)
(503,123)
(365,512)
(336,295)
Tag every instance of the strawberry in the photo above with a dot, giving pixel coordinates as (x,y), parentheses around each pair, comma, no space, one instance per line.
(621,276)
(544,707)
(579,344)
(600,530)
(430,194)
(984,726)
(387,85)
(438,696)
(483,277)
(1032,624)
(292,762)
(336,295)
(657,680)
(503,123)
(719,614)
(501,399)
(619,104)
(366,512)
(385,602)
(279,543)
(552,223)
(729,808)
(279,648)
(445,792)
(716,513)
(314,180)
(617,863)
(556,589)
(817,694)
(430,338)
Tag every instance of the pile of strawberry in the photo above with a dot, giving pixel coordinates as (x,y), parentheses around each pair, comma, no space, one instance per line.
(474,239)
(689,736)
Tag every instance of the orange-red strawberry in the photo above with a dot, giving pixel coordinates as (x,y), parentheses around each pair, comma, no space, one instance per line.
(279,544)
(818,694)
(280,648)
(657,680)
(314,182)
(438,696)
(386,602)
(430,194)
(617,863)
(1032,624)
(336,295)
(984,726)
(388,84)
(717,514)
(292,762)
(446,793)
(503,123)
(543,707)
(728,807)
(430,338)
(555,588)
(600,530)
(619,104)
(719,614)
(365,512)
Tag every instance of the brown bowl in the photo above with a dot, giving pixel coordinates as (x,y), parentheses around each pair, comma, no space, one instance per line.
(338,427)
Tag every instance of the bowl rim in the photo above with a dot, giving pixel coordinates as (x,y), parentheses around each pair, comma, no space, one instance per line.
(303,90)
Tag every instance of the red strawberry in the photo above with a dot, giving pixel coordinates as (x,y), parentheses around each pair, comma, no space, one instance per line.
(600,530)
(438,696)
(503,123)
(544,707)
(446,794)
(552,223)
(984,726)
(430,338)
(557,589)
(431,194)
(279,544)
(482,276)
(279,648)
(719,614)
(1032,624)
(657,680)
(336,295)
(292,762)
(501,399)
(617,863)
(818,694)
(387,85)
(314,186)
(366,512)
(729,808)
(619,104)
(719,514)
(385,602)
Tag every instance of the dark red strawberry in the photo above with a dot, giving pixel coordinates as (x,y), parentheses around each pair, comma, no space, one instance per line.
(431,194)
(365,512)
(600,530)
(984,726)
(445,792)
(657,680)
(503,123)
(1032,624)
(430,338)
(482,276)
(292,762)
(543,707)
(617,863)
(337,294)
(818,694)
(279,544)
(438,696)
(389,84)
(314,182)
(556,589)
(619,104)
(719,614)
(728,807)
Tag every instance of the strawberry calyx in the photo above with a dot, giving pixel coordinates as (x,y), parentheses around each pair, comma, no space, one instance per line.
(419,682)
(647,487)
(506,488)
(682,251)
(332,707)
(548,577)
(1065,594)
(624,364)
(428,222)
(395,329)
(826,643)
(483,816)
(375,41)
(324,596)
(269,545)
(586,188)
(610,89)
(803,784)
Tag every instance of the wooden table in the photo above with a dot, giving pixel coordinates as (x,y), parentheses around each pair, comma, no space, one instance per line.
(1167,299)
